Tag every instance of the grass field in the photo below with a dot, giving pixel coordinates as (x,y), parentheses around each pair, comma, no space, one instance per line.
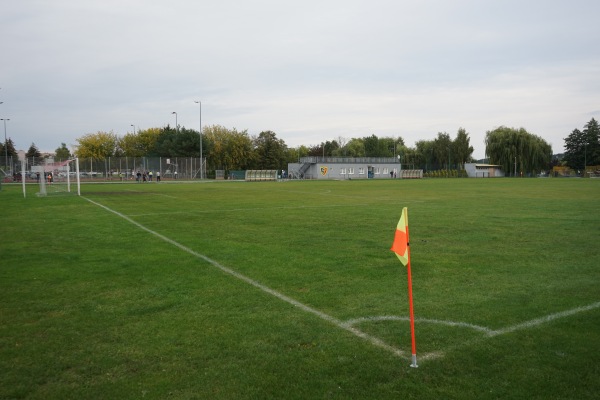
(288,290)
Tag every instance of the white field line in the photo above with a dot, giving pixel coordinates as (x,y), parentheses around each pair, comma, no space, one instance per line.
(421,320)
(488,332)
(543,320)
(371,339)
(221,210)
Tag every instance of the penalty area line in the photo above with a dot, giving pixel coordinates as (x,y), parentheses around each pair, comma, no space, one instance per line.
(332,320)
(543,320)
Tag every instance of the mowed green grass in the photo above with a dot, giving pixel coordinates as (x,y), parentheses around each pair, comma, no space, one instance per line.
(95,304)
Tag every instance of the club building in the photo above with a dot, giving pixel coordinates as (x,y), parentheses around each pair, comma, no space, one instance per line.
(484,170)
(349,168)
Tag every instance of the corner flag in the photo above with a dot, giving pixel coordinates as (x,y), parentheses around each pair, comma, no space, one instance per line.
(402,249)
(400,245)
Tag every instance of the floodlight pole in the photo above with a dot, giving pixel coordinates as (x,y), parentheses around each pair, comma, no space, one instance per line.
(5,145)
(176,124)
(448,147)
(584,156)
(201,165)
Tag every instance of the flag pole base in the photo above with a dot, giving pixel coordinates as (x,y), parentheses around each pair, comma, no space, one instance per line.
(414,361)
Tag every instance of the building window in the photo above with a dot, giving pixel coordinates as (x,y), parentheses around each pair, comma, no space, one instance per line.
(361,171)
(342,171)
(350,171)
(376,171)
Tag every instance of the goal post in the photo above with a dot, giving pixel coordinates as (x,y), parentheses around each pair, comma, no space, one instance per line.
(57,178)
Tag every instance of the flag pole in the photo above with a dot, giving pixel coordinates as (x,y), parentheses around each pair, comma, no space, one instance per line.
(412,316)
(401,246)
(410,295)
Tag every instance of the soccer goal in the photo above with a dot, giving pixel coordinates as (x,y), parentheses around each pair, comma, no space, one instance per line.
(56,178)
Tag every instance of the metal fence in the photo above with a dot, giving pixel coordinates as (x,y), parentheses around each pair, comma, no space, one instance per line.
(112,168)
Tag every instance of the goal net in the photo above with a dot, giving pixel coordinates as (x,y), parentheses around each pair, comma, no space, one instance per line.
(56,178)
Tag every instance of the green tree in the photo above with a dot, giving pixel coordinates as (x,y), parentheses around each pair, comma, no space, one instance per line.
(62,153)
(592,133)
(517,150)
(324,149)
(408,157)
(9,155)
(372,146)
(9,152)
(356,148)
(33,152)
(130,146)
(331,147)
(293,154)
(143,143)
(171,142)
(381,147)
(461,148)
(340,151)
(227,149)
(442,150)
(388,146)
(98,145)
(424,154)
(575,149)
(317,150)
(270,152)
(582,148)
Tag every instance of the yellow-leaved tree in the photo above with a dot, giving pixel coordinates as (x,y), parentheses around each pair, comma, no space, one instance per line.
(140,144)
(97,145)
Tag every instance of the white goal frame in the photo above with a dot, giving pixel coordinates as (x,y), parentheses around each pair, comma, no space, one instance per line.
(56,169)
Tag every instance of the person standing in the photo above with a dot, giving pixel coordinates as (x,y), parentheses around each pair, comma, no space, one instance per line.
(157,176)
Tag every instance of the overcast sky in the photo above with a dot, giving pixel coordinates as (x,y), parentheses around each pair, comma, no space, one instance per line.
(308,70)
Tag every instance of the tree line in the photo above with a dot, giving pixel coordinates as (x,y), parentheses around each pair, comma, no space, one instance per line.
(582,148)
(230,149)
(516,150)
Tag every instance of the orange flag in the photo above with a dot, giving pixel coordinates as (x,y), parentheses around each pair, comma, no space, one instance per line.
(400,245)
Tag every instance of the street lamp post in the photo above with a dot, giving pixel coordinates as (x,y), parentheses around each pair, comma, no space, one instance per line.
(176,124)
(5,145)
(126,163)
(201,165)
(584,156)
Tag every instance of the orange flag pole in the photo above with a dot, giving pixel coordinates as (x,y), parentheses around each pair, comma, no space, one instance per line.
(401,247)
(411,311)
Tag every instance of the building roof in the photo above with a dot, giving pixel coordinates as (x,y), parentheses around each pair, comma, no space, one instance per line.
(487,166)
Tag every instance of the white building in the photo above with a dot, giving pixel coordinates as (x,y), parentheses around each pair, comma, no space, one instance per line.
(347,168)
(483,170)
